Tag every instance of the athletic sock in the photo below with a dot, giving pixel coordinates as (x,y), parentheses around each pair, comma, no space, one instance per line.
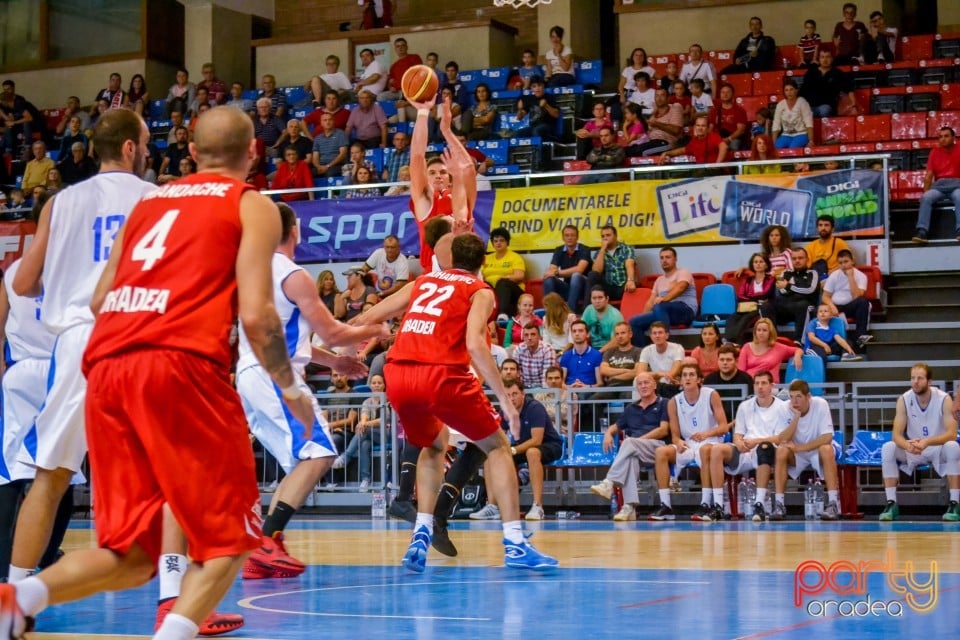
(424,520)
(890,491)
(171,567)
(665,498)
(761,495)
(718,496)
(954,495)
(705,496)
(277,521)
(176,627)
(513,532)
(32,596)
(780,497)
(19,573)
(833,496)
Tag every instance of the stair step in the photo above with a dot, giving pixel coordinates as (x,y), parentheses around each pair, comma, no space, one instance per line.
(948,278)
(913,351)
(879,370)
(923,312)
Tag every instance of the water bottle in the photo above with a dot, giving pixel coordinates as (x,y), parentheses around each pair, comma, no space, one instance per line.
(810,501)
(818,502)
(378,506)
(604,425)
(613,506)
(742,498)
(523,476)
(726,501)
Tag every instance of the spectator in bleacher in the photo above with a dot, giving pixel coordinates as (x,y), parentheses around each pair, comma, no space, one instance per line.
(609,155)
(201,98)
(621,362)
(809,45)
(389,266)
(924,432)
(848,37)
(170,167)
(762,123)
(601,319)
(329,148)
(327,289)
(823,86)
(542,109)
(807,443)
(401,189)
(436,114)
(137,97)
(98,109)
(777,246)
(367,123)
(113,94)
(764,353)
(645,425)
(845,291)
(941,181)
(636,63)
(730,120)
(257,173)
(664,125)
(633,131)
(202,108)
(588,136)
(525,317)
(681,97)
(363,175)
(559,66)
(754,298)
(76,165)
(762,148)
(822,253)
(18,118)
(176,121)
(528,68)
(373,78)
(461,95)
(756,52)
(484,114)
(54,181)
(581,363)
(357,160)
(72,109)
(569,265)
(700,102)
(534,356)
(504,270)
(267,127)
(707,353)
(360,291)
(187,166)
(557,320)
(706,147)
(331,105)
(698,68)
(728,374)
(643,93)
(399,158)
(74,133)
(293,173)
(661,357)
(824,340)
(17,199)
(152,164)
(35,173)
(403,61)
(797,290)
(672,75)
(673,301)
(880,45)
(216,88)
(181,93)
(793,118)
(697,424)
(278,99)
(335,79)
(377,14)
(614,266)
(295,137)
(238,101)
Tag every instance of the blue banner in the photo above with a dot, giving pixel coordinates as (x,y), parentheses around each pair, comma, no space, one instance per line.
(351,229)
(748,208)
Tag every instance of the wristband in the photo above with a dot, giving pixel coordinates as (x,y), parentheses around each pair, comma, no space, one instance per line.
(423,112)
(291,393)
(513,451)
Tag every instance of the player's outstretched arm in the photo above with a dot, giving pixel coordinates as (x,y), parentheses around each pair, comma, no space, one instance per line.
(481,306)
(418,159)
(392,307)
(301,290)
(343,364)
(105,283)
(27,281)
(461,166)
(258,314)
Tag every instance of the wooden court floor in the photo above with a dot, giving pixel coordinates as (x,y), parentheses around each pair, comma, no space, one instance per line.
(642,579)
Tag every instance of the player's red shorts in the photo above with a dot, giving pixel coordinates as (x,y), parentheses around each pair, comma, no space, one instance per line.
(428,396)
(167,426)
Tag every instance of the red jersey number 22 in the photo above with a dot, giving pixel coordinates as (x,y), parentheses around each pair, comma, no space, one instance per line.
(151,246)
(431,298)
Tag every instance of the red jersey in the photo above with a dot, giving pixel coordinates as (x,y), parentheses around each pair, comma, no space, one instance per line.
(432,329)
(442,206)
(175,286)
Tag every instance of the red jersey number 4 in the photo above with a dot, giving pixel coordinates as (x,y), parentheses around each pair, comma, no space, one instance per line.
(151,246)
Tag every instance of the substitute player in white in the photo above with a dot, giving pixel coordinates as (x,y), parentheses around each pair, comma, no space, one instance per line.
(74,236)
(305,460)
(924,432)
(697,424)
(807,444)
(756,431)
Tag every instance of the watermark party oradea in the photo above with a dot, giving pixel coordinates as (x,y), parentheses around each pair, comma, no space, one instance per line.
(840,588)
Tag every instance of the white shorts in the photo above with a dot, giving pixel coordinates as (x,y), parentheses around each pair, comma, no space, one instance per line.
(271,422)
(933,455)
(746,463)
(24,389)
(61,434)
(811,460)
(692,452)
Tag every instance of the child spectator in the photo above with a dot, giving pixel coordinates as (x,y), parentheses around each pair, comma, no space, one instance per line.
(809,45)
(701,102)
(588,137)
(822,340)
(666,82)
(681,97)
(761,123)
(528,69)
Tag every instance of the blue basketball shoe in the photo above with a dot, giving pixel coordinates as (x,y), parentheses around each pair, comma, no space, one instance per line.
(524,556)
(415,559)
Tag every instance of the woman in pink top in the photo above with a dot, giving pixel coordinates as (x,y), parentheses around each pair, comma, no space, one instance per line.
(633,130)
(589,136)
(756,291)
(765,353)
(709,350)
(775,241)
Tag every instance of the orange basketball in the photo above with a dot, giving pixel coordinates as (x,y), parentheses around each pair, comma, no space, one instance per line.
(419,83)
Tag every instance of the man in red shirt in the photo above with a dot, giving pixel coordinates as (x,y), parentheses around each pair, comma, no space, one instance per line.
(443,330)
(941,181)
(167,300)
(403,62)
(705,146)
(729,119)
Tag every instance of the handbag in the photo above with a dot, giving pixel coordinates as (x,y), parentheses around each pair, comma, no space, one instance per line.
(747,307)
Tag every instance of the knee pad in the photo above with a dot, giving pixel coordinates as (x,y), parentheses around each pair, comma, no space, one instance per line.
(888,451)
(766,453)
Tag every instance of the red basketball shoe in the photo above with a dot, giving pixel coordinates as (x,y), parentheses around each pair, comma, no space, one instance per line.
(271,560)
(13,624)
(215,624)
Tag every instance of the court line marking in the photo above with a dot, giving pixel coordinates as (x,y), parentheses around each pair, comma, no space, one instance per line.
(779,630)
(659,601)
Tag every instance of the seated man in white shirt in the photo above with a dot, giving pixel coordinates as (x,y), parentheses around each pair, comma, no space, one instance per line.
(390,267)
(844,291)
(662,358)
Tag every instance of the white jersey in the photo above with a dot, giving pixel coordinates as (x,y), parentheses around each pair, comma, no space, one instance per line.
(924,423)
(26,335)
(84,222)
(816,423)
(754,421)
(295,327)
(697,417)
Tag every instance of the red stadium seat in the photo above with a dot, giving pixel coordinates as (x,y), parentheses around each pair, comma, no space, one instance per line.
(874,281)
(950,97)
(742,83)
(752,104)
(659,63)
(842,129)
(908,126)
(730,277)
(873,128)
(915,48)
(634,302)
(786,56)
(768,83)
(648,280)
(857,147)
(701,281)
(574,165)
(721,58)
(535,288)
(938,119)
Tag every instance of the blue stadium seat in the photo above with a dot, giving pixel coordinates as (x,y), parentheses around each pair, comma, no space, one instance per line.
(496,77)
(813,372)
(496,150)
(294,94)
(155,108)
(587,451)
(589,72)
(865,449)
(376,157)
(471,79)
(250,94)
(504,170)
(389,108)
(361,388)
(302,113)
(536,141)
(838,326)
(717,303)
(569,90)
(393,127)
